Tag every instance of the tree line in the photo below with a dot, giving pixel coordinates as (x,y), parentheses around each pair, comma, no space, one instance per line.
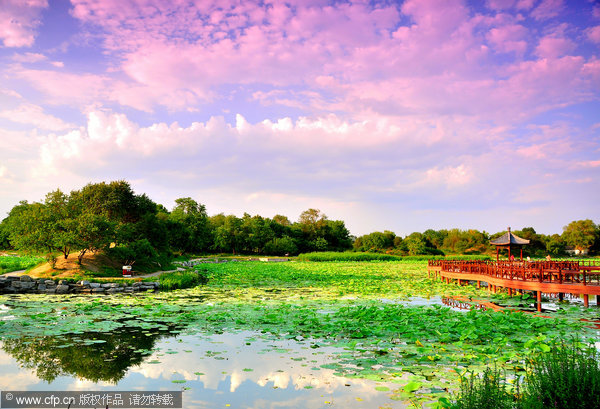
(582,235)
(133,228)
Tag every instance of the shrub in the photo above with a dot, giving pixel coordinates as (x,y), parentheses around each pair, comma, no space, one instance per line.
(281,246)
(567,377)
(486,392)
(346,256)
(182,279)
(14,263)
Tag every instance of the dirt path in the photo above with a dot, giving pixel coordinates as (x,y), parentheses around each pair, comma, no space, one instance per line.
(155,274)
(14,273)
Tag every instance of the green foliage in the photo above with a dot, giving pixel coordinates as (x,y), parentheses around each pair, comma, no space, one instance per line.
(346,256)
(555,245)
(463,241)
(469,257)
(194,231)
(376,241)
(568,377)
(486,392)
(140,252)
(363,307)
(563,377)
(182,279)
(581,234)
(14,263)
(281,246)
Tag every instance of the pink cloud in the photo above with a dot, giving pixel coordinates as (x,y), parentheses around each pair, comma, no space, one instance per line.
(35,115)
(508,4)
(436,18)
(509,38)
(19,20)
(548,9)
(554,47)
(321,57)
(590,164)
(593,33)
(29,57)
(65,88)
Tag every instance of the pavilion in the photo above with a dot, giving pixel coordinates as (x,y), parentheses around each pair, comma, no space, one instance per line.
(509,240)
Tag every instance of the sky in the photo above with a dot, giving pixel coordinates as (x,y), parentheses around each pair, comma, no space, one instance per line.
(398,115)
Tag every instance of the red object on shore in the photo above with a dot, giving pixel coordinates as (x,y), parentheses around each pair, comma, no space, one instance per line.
(127,271)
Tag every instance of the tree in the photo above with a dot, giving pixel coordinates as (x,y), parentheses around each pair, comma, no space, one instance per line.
(311,217)
(228,235)
(555,245)
(377,241)
(337,235)
(435,237)
(281,246)
(192,215)
(282,220)
(115,200)
(415,244)
(93,232)
(30,228)
(580,234)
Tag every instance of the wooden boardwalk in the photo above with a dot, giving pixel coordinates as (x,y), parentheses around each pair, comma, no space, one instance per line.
(554,277)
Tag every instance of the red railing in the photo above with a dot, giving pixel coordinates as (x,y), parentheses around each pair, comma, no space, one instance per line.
(560,272)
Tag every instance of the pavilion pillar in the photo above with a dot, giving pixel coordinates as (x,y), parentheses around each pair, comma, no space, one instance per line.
(586,300)
(479,284)
(539,301)
(497,253)
(521,253)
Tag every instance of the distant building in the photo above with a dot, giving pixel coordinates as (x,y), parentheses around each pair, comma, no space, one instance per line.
(572,251)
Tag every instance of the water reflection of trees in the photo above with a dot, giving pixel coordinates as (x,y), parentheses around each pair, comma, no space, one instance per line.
(93,356)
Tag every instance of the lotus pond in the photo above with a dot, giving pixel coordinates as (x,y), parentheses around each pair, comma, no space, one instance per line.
(286,335)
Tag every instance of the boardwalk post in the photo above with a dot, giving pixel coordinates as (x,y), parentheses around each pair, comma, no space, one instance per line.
(586,300)
(557,277)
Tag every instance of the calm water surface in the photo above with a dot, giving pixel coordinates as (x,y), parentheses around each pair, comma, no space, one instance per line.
(231,370)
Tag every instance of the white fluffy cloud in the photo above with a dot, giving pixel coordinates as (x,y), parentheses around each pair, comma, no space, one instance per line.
(34,115)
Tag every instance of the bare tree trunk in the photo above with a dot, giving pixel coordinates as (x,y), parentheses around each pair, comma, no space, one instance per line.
(80,256)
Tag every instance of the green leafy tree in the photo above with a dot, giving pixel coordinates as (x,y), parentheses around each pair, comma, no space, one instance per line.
(192,215)
(555,245)
(415,244)
(435,237)
(115,200)
(281,246)
(228,236)
(282,220)
(93,233)
(377,241)
(337,235)
(581,234)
